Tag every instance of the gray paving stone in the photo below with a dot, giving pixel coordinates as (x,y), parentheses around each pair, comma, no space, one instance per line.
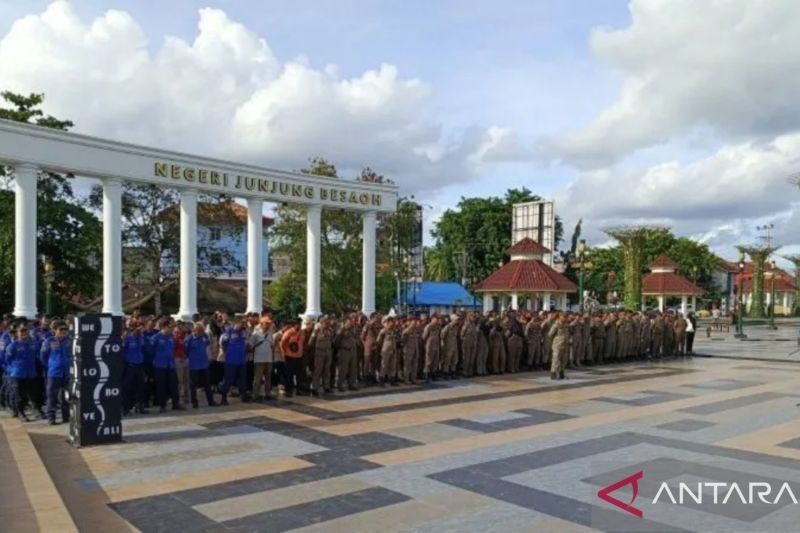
(686,424)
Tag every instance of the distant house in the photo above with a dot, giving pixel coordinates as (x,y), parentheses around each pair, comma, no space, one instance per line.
(222,232)
(443,297)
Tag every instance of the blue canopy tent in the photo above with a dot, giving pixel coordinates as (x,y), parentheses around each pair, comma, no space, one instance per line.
(438,297)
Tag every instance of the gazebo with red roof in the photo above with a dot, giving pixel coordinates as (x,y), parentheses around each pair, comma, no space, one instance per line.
(663,282)
(526,276)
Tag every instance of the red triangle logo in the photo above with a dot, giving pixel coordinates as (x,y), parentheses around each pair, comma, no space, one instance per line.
(605,494)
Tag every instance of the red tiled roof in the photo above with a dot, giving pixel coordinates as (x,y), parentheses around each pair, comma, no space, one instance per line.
(527,246)
(526,275)
(668,283)
(662,261)
(781,285)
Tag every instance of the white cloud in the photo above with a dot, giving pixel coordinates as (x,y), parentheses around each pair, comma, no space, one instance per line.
(729,66)
(227,94)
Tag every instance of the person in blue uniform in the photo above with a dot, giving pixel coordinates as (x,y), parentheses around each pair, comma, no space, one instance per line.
(163,348)
(5,342)
(21,367)
(197,348)
(234,342)
(56,358)
(133,377)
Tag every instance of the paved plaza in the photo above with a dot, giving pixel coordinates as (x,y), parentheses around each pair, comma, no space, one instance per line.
(762,342)
(500,453)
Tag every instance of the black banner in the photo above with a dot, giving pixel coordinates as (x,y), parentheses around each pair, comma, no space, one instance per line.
(95,392)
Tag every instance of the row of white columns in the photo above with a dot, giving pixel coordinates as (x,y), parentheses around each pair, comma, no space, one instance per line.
(488,302)
(26,268)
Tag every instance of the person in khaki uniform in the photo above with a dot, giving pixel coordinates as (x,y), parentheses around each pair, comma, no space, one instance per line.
(679,328)
(533,333)
(346,344)
(369,334)
(497,347)
(559,335)
(482,354)
(469,344)
(669,336)
(431,336)
(450,347)
(576,342)
(611,338)
(623,337)
(514,334)
(547,323)
(410,342)
(657,350)
(598,333)
(646,335)
(387,341)
(587,356)
(321,346)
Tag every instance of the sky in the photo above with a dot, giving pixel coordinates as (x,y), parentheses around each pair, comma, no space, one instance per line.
(673,112)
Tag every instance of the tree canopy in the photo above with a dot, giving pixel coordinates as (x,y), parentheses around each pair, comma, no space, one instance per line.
(341,250)
(471,239)
(695,259)
(67,233)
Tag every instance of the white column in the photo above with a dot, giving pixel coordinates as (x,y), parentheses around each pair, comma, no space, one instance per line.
(368,263)
(661,303)
(546,302)
(25,177)
(255,245)
(694,304)
(684,304)
(514,301)
(487,302)
(313,260)
(564,301)
(786,310)
(188,267)
(112,246)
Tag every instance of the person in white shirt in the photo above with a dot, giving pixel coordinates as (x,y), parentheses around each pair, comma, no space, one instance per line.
(691,327)
(263,357)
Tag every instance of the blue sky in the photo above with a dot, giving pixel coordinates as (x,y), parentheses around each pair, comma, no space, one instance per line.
(613,108)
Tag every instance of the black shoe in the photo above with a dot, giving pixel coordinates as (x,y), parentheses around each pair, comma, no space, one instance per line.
(395,383)
(328,390)
(194,405)
(162,409)
(179,407)
(315,393)
(224,401)
(553,375)
(51,422)
(213,404)
(353,388)
(382,383)
(142,411)
(561,375)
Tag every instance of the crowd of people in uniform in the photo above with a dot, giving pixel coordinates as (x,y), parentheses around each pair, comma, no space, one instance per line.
(166,362)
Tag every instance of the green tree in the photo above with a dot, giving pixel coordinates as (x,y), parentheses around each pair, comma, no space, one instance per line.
(151,229)
(471,239)
(67,233)
(340,232)
(697,262)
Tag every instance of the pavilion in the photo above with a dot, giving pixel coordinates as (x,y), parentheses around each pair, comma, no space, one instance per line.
(664,282)
(525,278)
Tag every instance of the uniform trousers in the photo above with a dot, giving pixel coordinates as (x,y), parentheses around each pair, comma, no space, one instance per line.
(133,389)
(56,392)
(166,385)
(200,379)
(234,375)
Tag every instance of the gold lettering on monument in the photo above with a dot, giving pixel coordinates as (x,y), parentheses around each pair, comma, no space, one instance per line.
(264,185)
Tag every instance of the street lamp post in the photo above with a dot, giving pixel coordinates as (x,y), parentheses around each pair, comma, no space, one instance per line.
(771,271)
(49,278)
(581,250)
(740,315)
